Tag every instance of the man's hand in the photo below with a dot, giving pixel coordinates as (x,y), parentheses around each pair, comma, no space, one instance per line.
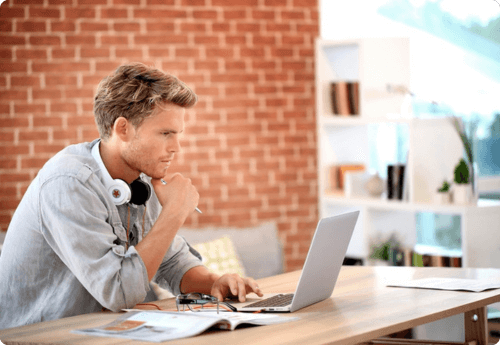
(232,285)
(178,196)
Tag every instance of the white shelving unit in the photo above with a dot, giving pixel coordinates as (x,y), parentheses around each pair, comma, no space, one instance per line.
(433,150)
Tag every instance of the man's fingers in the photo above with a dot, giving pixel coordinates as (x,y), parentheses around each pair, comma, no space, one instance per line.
(254,287)
(242,292)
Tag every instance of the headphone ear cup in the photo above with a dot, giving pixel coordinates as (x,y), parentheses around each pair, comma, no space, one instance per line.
(141,192)
(120,192)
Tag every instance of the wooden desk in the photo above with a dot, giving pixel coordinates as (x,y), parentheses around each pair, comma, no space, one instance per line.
(361,308)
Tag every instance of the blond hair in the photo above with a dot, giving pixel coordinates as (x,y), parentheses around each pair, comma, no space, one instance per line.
(134,91)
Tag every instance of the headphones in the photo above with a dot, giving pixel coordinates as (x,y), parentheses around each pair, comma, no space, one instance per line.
(138,192)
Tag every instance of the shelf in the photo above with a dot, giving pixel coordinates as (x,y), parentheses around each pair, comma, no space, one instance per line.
(397,205)
(359,120)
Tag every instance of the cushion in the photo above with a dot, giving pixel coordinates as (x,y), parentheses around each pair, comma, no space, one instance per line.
(258,247)
(220,256)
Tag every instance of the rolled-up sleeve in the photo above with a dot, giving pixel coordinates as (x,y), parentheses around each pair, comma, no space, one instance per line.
(179,259)
(76,224)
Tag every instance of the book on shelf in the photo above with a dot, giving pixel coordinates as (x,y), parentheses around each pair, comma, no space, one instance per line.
(408,257)
(336,174)
(344,97)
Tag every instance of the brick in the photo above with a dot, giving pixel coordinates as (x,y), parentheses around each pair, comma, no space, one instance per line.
(13,150)
(131,27)
(31,53)
(220,52)
(204,14)
(10,40)
(251,3)
(27,163)
(6,26)
(275,3)
(93,26)
(220,27)
(207,40)
(11,67)
(136,54)
(79,12)
(47,93)
(160,26)
(114,40)
(80,39)
(6,54)
(160,39)
(13,95)
(60,80)
(267,15)
(40,12)
(159,14)
(6,137)
(235,39)
(161,2)
(28,2)
(14,122)
(65,134)
(59,2)
(94,52)
(25,81)
(62,107)
(292,15)
(313,29)
(305,3)
(48,148)
(253,53)
(91,2)
(45,40)
(85,93)
(235,14)
(113,13)
(29,108)
(264,40)
(47,121)
(33,135)
(61,67)
(11,12)
(68,53)
(126,2)
(30,26)
(193,3)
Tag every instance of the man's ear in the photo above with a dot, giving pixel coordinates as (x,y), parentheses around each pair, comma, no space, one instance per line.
(122,128)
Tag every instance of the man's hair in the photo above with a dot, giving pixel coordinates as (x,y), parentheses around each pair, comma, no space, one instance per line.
(134,91)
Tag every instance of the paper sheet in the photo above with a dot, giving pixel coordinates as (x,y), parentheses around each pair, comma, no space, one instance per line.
(473,285)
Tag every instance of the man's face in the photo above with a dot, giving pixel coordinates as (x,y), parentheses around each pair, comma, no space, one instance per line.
(156,141)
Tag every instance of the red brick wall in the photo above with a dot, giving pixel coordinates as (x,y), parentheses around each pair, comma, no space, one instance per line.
(250,142)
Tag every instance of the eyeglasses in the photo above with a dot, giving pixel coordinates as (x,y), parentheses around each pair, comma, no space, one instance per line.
(196,298)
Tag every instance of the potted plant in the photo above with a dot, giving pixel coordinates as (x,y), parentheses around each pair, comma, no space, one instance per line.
(468,189)
(443,193)
(462,189)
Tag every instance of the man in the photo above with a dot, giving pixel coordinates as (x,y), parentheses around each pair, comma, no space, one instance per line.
(98,223)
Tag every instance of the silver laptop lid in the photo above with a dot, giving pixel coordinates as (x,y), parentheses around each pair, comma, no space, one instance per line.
(324,259)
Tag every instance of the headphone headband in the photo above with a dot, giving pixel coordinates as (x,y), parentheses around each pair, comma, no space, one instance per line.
(118,189)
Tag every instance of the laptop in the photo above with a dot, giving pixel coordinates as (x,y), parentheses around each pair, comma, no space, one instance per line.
(320,272)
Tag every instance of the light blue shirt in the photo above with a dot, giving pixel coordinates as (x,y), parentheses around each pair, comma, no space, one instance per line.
(65,252)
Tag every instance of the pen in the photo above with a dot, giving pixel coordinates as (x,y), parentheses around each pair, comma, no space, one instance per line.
(196,209)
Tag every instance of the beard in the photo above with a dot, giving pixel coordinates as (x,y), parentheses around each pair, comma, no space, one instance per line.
(139,159)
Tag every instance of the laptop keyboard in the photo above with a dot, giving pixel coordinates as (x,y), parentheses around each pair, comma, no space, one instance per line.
(275,301)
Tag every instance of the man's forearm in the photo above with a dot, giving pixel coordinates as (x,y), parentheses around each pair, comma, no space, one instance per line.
(154,246)
(198,279)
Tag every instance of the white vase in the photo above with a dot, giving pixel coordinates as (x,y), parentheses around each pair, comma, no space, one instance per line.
(462,194)
(442,198)
(375,185)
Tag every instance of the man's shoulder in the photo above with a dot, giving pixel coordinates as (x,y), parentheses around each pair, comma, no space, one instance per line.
(74,160)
